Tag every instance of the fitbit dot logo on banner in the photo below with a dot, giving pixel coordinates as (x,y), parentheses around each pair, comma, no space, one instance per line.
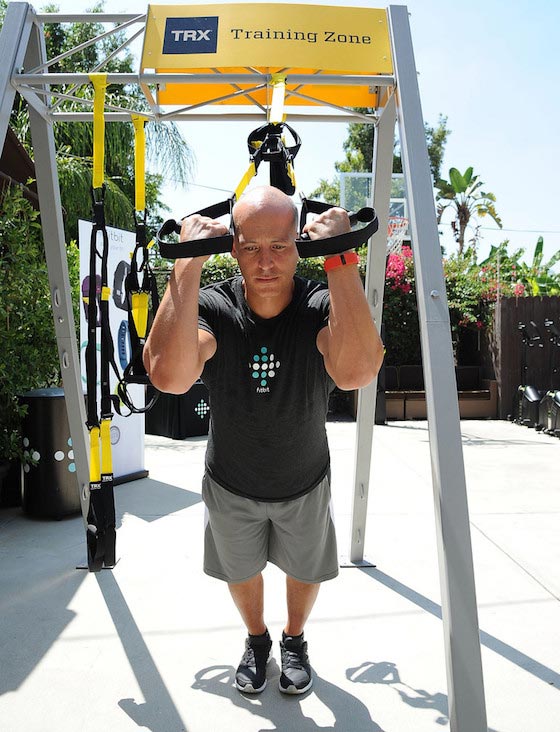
(202,409)
(191,35)
(263,368)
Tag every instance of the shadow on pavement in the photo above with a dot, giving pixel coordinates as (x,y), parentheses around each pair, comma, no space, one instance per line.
(531,665)
(158,712)
(151,499)
(386,672)
(284,711)
(33,615)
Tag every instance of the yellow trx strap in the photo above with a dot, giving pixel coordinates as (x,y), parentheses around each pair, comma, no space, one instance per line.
(139,161)
(276,116)
(106,449)
(99,82)
(140,300)
(244,182)
(276,113)
(94,458)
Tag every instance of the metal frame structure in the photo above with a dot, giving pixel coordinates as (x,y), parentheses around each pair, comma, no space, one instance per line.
(25,69)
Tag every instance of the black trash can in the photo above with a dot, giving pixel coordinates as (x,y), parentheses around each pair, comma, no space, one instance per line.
(49,482)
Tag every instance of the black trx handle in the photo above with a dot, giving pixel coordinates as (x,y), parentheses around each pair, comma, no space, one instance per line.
(306,247)
(197,247)
(334,244)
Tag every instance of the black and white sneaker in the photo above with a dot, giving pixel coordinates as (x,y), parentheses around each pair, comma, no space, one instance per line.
(296,671)
(250,676)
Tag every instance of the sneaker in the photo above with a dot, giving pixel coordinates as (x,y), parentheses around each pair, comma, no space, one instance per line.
(296,671)
(250,676)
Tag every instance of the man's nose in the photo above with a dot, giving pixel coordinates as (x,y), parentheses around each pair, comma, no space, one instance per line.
(265,259)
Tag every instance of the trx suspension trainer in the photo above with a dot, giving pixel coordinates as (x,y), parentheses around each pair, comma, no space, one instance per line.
(138,294)
(268,143)
(100,532)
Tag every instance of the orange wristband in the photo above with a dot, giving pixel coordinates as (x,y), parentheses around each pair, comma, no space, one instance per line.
(341,260)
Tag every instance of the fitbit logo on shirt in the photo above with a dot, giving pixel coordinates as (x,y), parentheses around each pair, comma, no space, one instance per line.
(263,368)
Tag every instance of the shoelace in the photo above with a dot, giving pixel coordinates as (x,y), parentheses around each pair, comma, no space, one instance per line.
(249,656)
(293,659)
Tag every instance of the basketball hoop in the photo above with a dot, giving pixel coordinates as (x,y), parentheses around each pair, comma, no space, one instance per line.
(395,233)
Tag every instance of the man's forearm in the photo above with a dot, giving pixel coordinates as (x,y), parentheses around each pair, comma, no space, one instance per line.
(355,350)
(171,355)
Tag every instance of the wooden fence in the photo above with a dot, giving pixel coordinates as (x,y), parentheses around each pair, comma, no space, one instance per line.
(504,346)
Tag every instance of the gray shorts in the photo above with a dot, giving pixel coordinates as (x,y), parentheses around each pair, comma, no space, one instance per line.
(241,535)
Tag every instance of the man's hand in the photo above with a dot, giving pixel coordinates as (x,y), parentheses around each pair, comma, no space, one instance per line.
(200,227)
(332,222)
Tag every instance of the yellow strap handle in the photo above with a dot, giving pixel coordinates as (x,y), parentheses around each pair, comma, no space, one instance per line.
(140,302)
(276,114)
(139,161)
(94,455)
(99,82)
(106,448)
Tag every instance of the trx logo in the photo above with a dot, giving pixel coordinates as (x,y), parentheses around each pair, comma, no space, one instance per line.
(191,35)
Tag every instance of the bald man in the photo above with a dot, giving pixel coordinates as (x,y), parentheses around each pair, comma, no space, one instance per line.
(270,346)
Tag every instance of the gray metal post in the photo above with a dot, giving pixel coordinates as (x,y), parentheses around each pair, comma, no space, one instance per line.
(61,295)
(467,710)
(375,280)
(13,43)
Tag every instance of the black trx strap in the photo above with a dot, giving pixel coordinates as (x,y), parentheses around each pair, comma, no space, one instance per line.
(306,247)
(197,247)
(101,532)
(140,289)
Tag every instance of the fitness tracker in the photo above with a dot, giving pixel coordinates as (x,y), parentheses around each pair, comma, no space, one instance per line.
(341,260)
(123,341)
(119,292)
(85,297)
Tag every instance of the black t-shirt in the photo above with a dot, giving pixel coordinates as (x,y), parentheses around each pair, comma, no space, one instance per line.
(269,392)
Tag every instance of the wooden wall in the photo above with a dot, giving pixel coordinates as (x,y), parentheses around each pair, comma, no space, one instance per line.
(505,346)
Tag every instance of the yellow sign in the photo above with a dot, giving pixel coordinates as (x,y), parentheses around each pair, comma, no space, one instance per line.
(266,38)
(352,40)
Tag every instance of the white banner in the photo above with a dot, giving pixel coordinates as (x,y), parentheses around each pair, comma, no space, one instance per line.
(127,433)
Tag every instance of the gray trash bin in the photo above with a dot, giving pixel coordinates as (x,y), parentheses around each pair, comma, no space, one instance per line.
(50,485)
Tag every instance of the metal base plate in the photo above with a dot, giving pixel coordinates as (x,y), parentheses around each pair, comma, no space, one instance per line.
(344,562)
(84,565)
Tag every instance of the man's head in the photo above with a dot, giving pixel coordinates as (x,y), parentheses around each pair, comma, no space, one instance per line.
(265,223)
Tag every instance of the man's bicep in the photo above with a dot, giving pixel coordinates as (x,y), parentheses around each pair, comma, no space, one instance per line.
(207,345)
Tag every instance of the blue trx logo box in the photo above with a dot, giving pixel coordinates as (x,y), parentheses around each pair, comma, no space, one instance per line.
(191,35)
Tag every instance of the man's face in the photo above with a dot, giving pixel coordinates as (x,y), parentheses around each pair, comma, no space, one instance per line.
(265,250)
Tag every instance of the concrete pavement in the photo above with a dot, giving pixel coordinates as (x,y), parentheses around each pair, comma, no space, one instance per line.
(153,644)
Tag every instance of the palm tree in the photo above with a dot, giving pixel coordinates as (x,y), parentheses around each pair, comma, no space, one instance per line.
(464,195)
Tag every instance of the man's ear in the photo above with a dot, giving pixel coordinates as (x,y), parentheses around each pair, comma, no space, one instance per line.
(234,250)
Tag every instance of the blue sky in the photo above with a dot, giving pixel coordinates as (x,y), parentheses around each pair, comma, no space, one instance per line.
(490,67)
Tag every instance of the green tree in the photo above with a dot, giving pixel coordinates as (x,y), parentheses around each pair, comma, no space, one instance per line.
(463,195)
(28,353)
(358,147)
(165,146)
(514,276)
